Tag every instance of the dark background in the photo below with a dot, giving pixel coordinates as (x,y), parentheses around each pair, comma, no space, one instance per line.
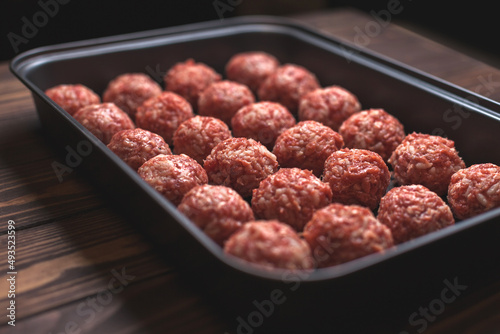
(468,26)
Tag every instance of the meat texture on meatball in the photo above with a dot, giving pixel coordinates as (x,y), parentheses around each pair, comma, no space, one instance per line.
(287,85)
(128,91)
(136,146)
(340,233)
(307,145)
(222,99)
(412,211)
(375,130)
(474,190)
(162,114)
(427,160)
(241,164)
(357,177)
(197,136)
(330,105)
(103,120)
(189,79)
(72,97)
(262,121)
(251,68)
(270,244)
(291,195)
(218,210)
(173,175)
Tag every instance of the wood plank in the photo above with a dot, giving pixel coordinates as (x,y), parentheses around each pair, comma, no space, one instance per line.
(61,261)
(407,47)
(31,193)
(160,304)
(18,110)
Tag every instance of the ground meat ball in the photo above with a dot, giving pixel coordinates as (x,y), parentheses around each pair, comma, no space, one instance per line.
(104,120)
(189,79)
(307,145)
(287,85)
(290,195)
(270,244)
(129,91)
(340,233)
(262,121)
(173,175)
(330,106)
(72,97)
(162,114)
(357,177)
(474,190)
(197,136)
(374,130)
(241,164)
(251,68)
(219,211)
(223,99)
(136,146)
(412,211)
(426,160)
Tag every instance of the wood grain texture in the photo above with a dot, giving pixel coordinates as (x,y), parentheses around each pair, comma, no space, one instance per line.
(71,246)
(409,48)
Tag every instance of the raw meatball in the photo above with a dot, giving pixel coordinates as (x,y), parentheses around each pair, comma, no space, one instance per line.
(330,106)
(136,146)
(270,244)
(412,211)
(241,164)
(197,136)
(223,99)
(374,130)
(104,120)
(307,145)
(340,233)
(262,121)
(290,195)
(357,177)
(163,113)
(426,160)
(129,91)
(189,79)
(474,190)
(173,175)
(287,85)
(219,211)
(251,68)
(72,97)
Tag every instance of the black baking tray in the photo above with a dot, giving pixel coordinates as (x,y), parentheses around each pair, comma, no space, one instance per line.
(378,287)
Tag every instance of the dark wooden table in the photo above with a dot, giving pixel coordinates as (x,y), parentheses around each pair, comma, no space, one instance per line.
(83,268)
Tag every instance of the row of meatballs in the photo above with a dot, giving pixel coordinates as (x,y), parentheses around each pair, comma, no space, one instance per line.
(313,186)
